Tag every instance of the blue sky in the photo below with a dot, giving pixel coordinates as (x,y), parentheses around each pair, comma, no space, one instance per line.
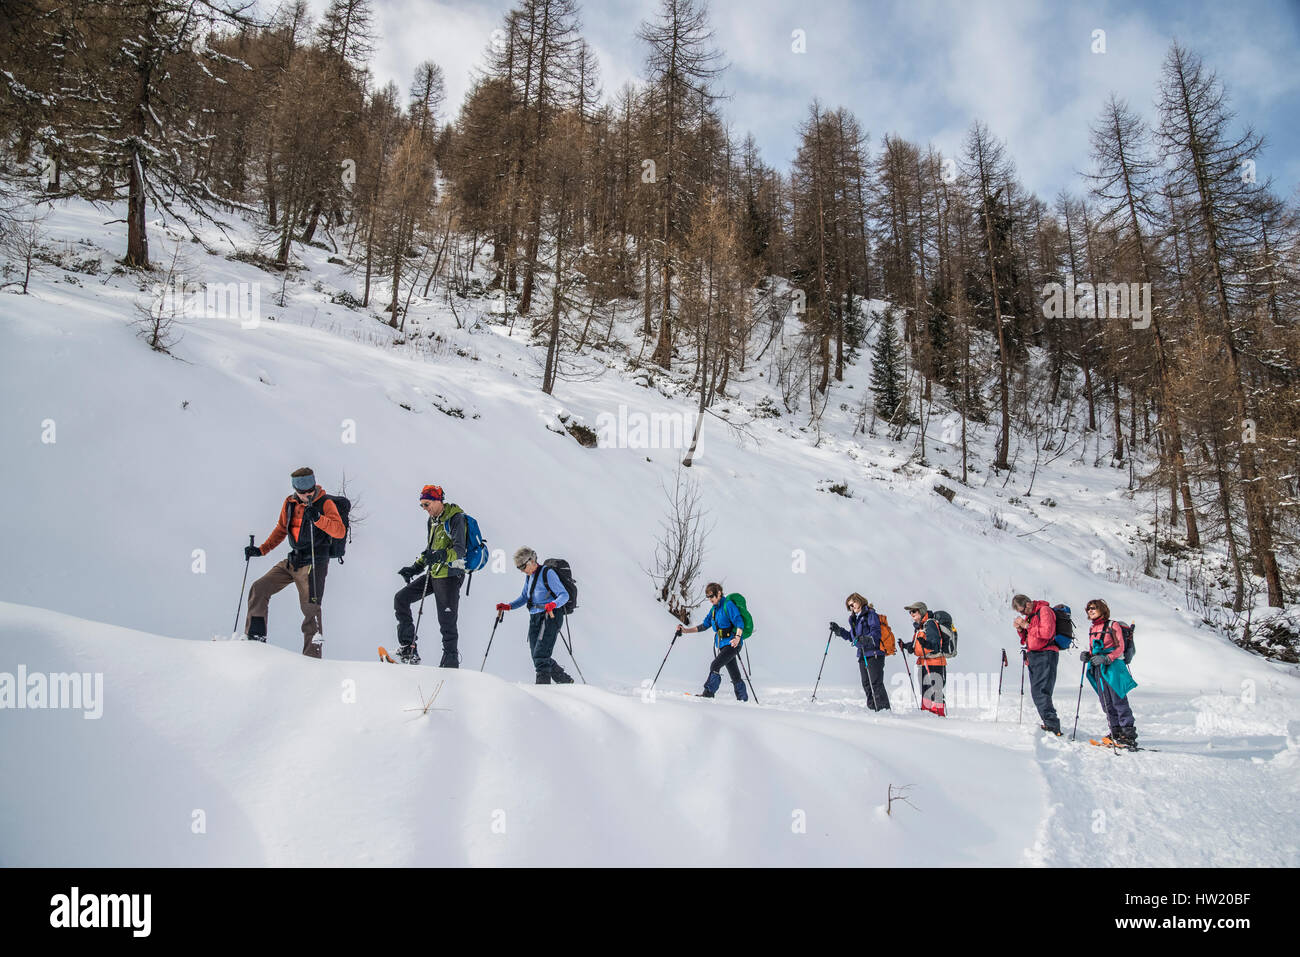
(925,69)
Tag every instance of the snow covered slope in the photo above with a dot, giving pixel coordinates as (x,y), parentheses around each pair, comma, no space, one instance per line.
(133,479)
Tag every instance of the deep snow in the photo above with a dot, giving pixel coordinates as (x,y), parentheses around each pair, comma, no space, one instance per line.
(136,514)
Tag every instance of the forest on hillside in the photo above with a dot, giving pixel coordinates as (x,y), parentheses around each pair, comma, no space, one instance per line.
(1156,305)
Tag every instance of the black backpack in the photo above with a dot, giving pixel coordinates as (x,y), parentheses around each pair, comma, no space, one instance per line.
(1064,627)
(947,633)
(561,568)
(338,546)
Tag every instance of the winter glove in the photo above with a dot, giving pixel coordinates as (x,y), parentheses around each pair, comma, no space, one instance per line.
(1099,660)
(409,572)
(251,551)
(678,632)
(313,512)
(502,606)
(908,646)
(433,557)
(1085,655)
(837,629)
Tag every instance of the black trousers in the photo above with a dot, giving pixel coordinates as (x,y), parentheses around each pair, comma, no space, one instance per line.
(873,681)
(542,632)
(727,656)
(444,593)
(1042,682)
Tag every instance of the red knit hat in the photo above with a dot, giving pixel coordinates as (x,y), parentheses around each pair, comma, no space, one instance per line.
(431,493)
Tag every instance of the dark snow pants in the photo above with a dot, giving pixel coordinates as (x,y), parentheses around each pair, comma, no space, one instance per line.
(444,593)
(542,632)
(727,656)
(1042,682)
(1118,713)
(872,670)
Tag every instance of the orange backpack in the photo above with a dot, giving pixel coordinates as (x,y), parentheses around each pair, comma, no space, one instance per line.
(887,643)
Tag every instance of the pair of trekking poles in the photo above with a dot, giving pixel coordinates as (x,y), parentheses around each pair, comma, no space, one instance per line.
(827,651)
(1024,665)
(744,667)
(824,653)
(566,638)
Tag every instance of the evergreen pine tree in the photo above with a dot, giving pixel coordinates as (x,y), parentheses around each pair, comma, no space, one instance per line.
(886,368)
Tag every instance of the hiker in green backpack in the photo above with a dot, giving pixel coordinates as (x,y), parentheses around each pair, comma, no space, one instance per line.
(728,624)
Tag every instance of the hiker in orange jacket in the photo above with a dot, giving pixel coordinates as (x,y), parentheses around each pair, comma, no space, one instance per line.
(306,564)
(933,667)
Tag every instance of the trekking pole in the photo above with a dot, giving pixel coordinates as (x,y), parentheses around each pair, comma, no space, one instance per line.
(1024,663)
(313,598)
(500,615)
(664,662)
(998,706)
(1079,702)
(915,700)
(819,670)
(747,677)
(415,636)
(568,644)
(247,559)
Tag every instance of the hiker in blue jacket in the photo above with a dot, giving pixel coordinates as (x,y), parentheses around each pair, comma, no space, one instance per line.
(864,634)
(729,631)
(545,596)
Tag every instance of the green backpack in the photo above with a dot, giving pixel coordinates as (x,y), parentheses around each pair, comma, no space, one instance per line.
(737,599)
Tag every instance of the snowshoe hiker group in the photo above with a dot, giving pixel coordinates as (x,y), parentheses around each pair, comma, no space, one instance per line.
(1045,630)
(316,524)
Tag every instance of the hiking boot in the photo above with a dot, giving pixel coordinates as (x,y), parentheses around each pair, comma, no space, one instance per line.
(257,629)
(711,685)
(450,658)
(1128,738)
(741,693)
(560,677)
(1055,731)
(542,678)
(408,655)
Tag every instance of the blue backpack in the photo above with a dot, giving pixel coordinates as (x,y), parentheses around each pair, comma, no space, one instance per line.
(476,550)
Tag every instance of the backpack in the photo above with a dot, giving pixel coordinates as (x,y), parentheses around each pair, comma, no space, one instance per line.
(476,551)
(1127,631)
(888,643)
(947,633)
(338,546)
(1064,627)
(737,599)
(561,568)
